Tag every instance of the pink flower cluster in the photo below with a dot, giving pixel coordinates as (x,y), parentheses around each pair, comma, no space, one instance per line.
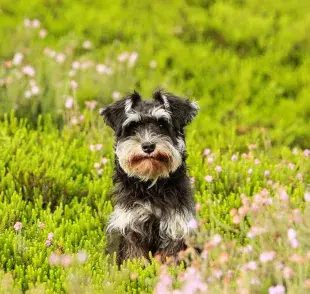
(50,239)
(33,91)
(98,165)
(131,58)
(18,226)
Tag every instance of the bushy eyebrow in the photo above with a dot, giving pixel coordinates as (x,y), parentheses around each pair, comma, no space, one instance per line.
(159,112)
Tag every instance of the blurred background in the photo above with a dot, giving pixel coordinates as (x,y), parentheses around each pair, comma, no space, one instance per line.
(246,62)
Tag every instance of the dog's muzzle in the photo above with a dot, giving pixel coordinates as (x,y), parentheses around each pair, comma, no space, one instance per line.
(148,160)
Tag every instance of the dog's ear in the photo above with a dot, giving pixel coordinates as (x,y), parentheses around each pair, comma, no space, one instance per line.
(182,110)
(115,114)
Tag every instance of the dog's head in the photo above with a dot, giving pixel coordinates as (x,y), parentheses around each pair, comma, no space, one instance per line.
(150,134)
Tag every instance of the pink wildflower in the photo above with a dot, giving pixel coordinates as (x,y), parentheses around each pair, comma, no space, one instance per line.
(73,84)
(35,90)
(204,254)
(43,33)
(48,243)
(192,224)
(18,226)
(291,165)
(210,160)
(75,65)
(91,104)
(247,249)
(267,256)
(209,178)
(60,58)
(216,239)
(299,176)
(104,160)
(65,260)
(245,155)
(116,95)
(252,146)
(99,147)
(192,180)
(87,64)
(218,169)
(307,196)
(87,44)
(255,281)
(132,59)
(283,195)
(29,71)
(28,94)
(123,56)
(49,52)
(165,282)
(288,272)
(279,289)
(50,236)
(206,152)
(81,256)
(234,157)
(198,206)
(101,68)
(307,152)
(54,259)
(217,273)
(256,161)
(27,22)
(296,215)
(291,234)
(36,23)
(237,219)
(193,282)
(18,58)
(96,165)
(41,225)
(69,102)
(74,121)
(267,173)
(251,265)
(295,151)
(255,231)
(294,243)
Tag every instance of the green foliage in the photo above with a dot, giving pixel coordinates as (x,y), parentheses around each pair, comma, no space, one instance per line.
(247,64)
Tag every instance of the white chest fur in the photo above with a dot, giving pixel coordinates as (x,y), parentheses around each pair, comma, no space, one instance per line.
(172,225)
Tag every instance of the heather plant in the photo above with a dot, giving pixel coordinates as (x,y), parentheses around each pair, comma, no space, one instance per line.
(247,64)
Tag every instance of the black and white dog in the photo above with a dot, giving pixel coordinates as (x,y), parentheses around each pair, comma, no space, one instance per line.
(153,199)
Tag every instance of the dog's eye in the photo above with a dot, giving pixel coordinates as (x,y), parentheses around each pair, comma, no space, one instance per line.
(162,123)
(133,125)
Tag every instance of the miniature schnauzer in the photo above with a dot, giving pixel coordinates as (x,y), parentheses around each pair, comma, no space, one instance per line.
(153,199)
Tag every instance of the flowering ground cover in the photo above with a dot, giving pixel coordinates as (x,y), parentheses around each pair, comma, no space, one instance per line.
(247,65)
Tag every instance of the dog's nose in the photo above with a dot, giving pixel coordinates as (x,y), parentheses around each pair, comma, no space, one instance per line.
(148,147)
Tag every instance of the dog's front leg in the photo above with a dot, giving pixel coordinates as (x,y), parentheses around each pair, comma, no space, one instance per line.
(171,248)
(132,245)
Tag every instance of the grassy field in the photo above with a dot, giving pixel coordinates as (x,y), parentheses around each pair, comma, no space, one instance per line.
(247,63)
